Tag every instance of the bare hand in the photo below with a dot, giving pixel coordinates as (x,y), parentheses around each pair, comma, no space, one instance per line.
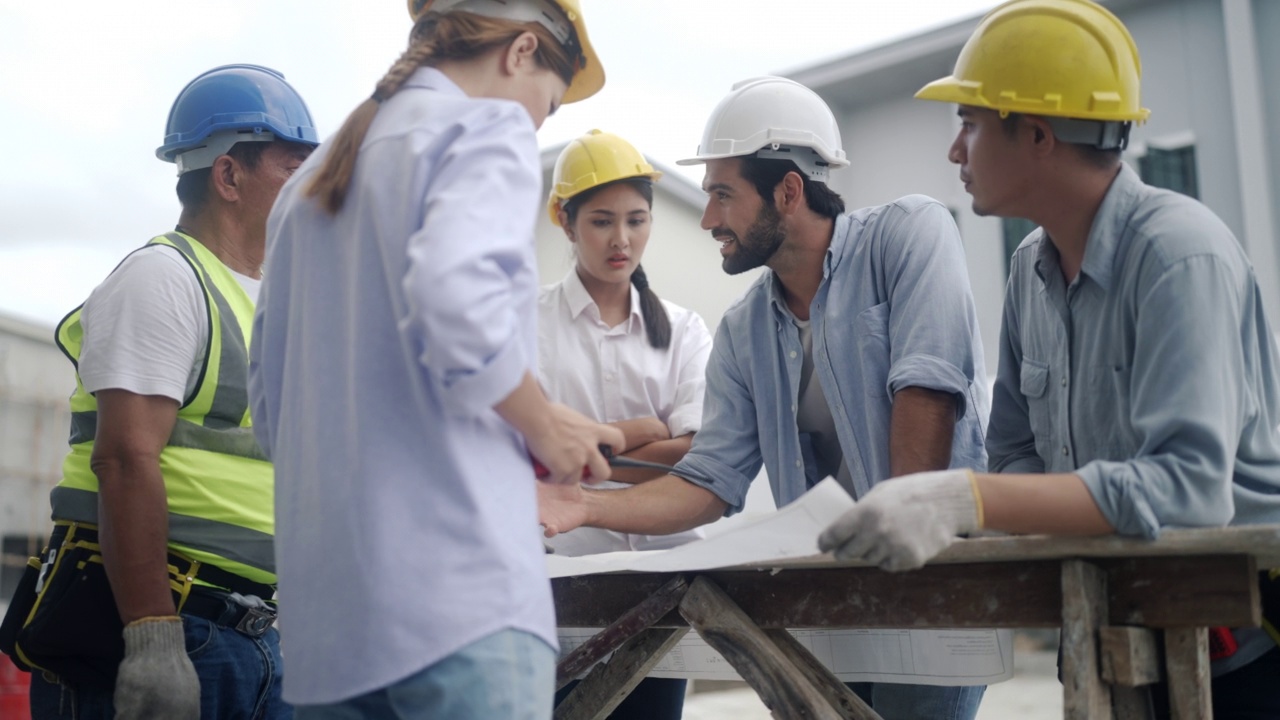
(561,508)
(568,442)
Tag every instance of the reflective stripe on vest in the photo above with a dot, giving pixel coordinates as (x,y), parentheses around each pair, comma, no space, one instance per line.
(217,479)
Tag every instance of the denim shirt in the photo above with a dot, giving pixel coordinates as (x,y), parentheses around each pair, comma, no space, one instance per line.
(894,310)
(1152,376)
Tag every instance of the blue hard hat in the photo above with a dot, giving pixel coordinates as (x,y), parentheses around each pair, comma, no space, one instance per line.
(251,101)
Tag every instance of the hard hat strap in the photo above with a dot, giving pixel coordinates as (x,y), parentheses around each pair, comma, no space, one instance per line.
(216,145)
(807,159)
(1095,133)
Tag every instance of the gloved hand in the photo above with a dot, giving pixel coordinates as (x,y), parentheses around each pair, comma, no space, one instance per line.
(904,522)
(156,678)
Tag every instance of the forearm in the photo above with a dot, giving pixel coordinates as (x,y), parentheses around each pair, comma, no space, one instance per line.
(665,452)
(642,431)
(920,431)
(526,408)
(134,533)
(663,506)
(1055,504)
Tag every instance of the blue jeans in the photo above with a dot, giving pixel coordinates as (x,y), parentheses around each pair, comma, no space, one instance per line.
(509,675)
(918,702)
(239,679)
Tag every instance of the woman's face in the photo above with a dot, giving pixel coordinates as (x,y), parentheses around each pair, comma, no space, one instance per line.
(610,233)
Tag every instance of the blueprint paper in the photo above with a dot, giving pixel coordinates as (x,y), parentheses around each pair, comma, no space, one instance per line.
(929,657)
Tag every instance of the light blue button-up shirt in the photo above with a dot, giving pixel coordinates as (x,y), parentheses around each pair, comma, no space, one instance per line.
(894,310)
(1153,375)
(406,519)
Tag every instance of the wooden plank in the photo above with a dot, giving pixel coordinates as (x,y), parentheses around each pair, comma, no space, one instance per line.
(1130,656)
(1259,541)
(632,621)
(838,695)
(607,685)
(1008,595)
(1132,703)
(1084,610)
(781,686)
(1186,657)
(1158,592)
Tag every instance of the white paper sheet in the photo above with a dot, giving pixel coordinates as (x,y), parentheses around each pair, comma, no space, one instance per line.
(930,657)
(922,657)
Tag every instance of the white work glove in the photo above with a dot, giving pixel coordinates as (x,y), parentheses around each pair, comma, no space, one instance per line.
(156,678)
(902,523)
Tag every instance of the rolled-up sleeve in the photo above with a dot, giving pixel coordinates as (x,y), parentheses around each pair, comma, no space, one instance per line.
(725,456)
(1187,403)
(932,318)
(691,385)
(476,234)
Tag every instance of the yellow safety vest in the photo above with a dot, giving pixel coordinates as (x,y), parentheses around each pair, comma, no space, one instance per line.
(218,481)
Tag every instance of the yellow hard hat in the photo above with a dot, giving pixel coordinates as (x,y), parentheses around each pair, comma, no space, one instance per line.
(1060,58)
(594,159)
(551,14)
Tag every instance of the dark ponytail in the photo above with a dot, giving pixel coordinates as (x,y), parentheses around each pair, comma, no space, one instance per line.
(657,324)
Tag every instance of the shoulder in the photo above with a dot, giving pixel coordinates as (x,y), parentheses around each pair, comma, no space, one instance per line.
(682,318)
(1169,227)
(906,207)
(151,271)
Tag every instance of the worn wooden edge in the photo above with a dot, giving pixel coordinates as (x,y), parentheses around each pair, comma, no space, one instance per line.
(1130,656)
(645,613)
(1151,592)
(1132,703)
(1084,611)
(607,685)
(782,687)
(1186,652)
(1261,542)
(838,695)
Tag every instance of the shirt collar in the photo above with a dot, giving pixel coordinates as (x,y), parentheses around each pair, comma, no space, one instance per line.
(1108,226)
(840,242)
(430,78)
(576,295)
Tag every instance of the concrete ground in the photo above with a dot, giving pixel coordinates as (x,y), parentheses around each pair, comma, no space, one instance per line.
(1034,693)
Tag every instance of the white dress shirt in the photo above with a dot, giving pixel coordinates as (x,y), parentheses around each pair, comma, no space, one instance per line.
(406,515)
(612,374)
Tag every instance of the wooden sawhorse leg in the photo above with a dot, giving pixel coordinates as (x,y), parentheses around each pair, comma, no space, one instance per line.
(790,681)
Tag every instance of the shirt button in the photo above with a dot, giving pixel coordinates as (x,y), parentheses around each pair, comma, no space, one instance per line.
(793,408)
(799,463)
(1065,451)
(793,353)
(1064,382)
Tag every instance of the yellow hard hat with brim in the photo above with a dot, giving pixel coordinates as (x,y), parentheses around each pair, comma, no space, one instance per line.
(1059,58)
(595,159)
(563,18)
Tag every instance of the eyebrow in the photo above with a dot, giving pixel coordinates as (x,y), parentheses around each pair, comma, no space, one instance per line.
(963,111)
(717,186)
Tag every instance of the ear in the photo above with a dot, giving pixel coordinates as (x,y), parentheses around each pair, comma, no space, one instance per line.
(520,54)
(225,177)
(788,195)
(1043,141)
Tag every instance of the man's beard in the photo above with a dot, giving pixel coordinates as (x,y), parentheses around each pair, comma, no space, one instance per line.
(758,245)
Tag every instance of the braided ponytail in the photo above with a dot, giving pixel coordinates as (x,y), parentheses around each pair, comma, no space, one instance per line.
(657,324)
(435,38)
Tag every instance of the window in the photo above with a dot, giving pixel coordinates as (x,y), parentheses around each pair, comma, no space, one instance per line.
(1171,168)
(1015,231)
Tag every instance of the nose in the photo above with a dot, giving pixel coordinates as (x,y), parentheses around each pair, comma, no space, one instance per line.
(709,222)
(957,152)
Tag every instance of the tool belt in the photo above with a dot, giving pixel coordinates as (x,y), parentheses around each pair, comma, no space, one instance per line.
(63,618)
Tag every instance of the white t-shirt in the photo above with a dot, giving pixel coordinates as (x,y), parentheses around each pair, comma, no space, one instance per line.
(146,326)
(814,417)
(612,374)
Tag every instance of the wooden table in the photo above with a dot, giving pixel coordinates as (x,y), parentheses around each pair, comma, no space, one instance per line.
(1112,597)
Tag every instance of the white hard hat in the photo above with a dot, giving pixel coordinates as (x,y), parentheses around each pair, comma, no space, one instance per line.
(775,118)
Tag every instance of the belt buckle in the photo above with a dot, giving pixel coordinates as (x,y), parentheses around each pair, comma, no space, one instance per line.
(255,622)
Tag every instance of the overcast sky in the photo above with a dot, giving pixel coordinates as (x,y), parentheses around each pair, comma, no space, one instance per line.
(86,87)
